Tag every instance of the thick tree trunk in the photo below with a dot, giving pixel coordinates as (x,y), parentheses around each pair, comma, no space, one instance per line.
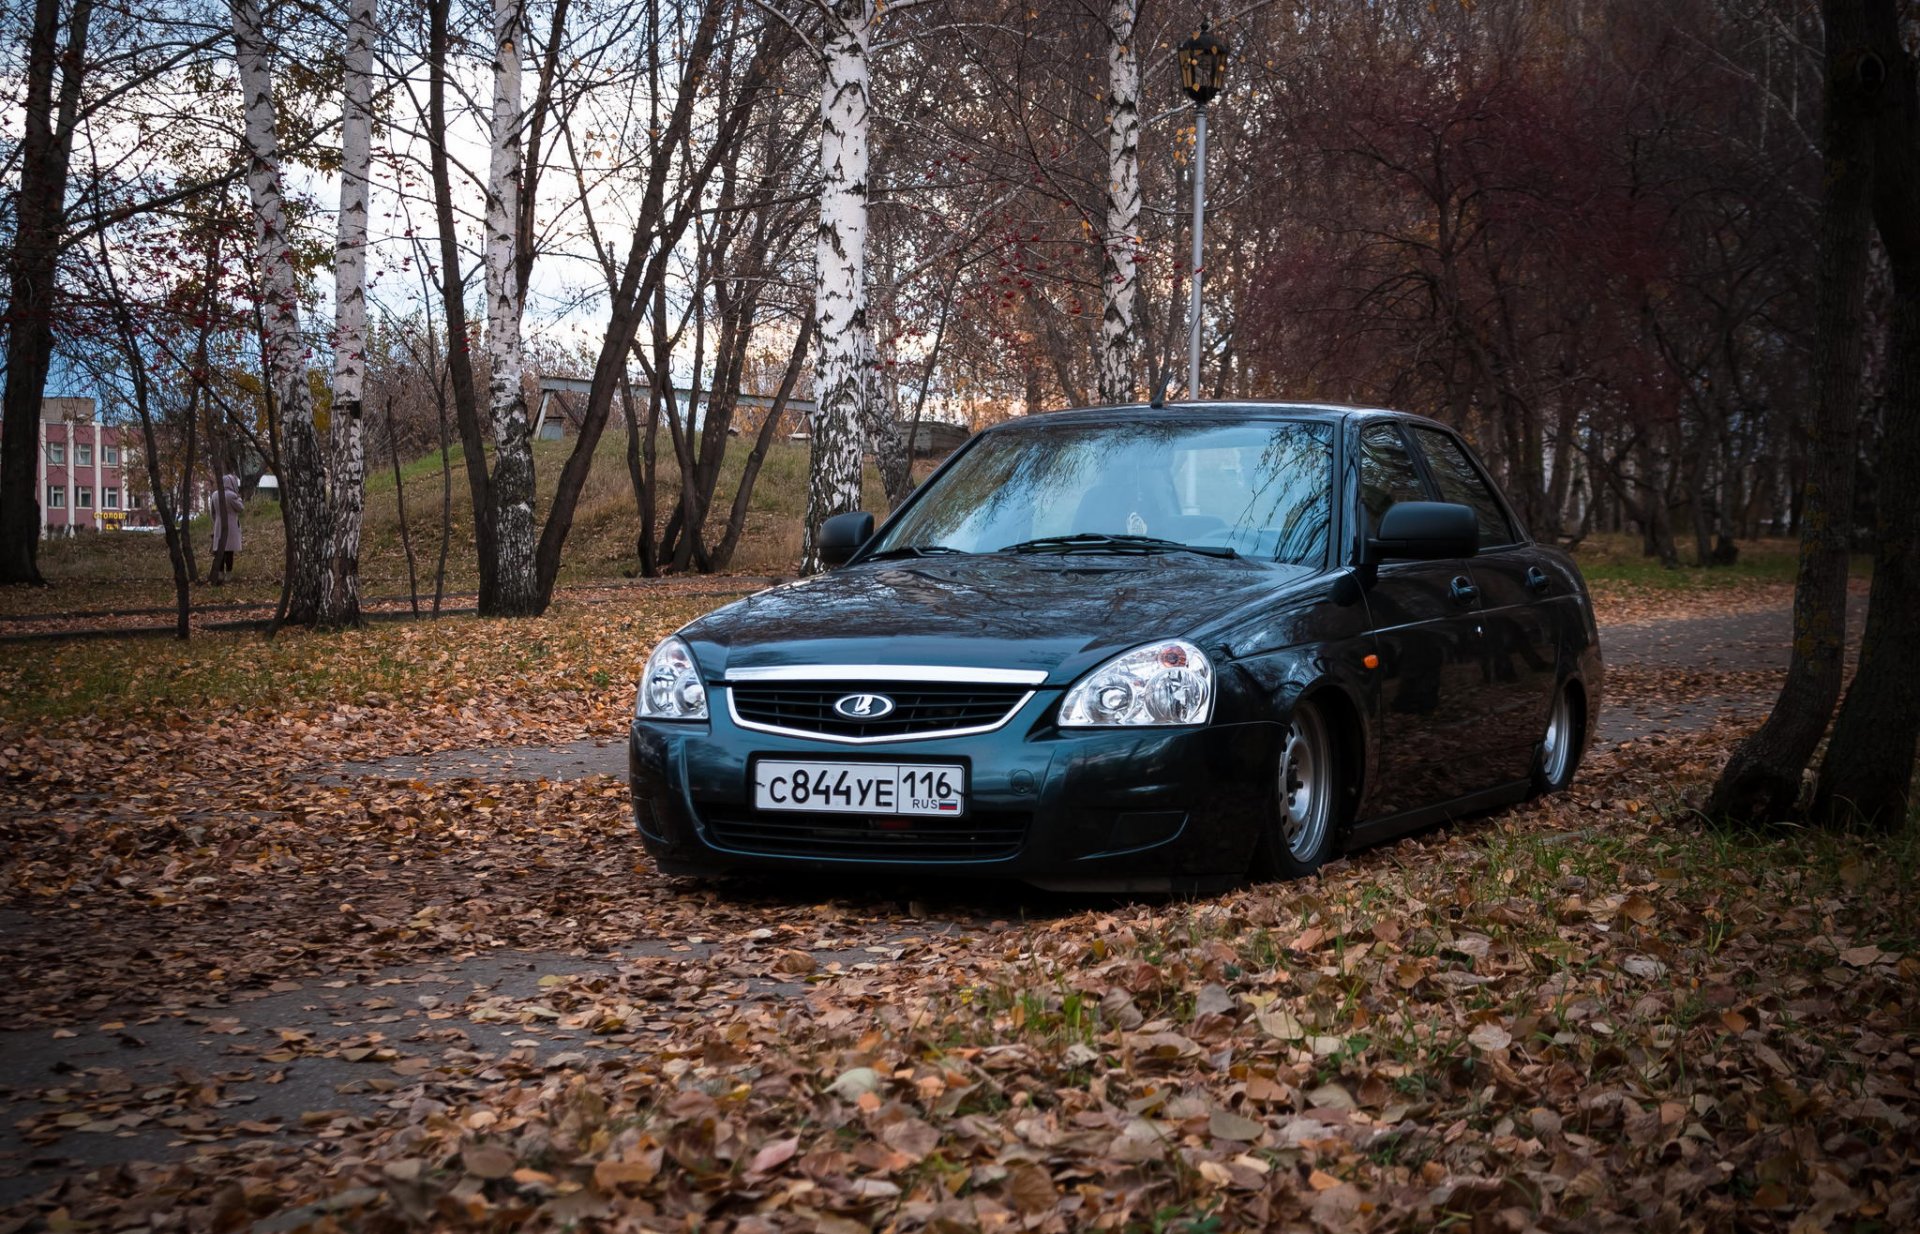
(1868,770)
(840,368)
(466,401)
(33,260)
(1761,781)
(1867,773)
(302,473)
(516,592)
(340,597)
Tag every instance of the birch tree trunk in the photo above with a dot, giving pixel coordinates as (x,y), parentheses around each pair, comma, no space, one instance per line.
(1119,272)
(340,596)
(842,356)
(892,455)
(302,464)
(517,593)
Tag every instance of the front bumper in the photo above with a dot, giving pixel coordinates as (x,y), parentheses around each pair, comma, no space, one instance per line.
(1088,806)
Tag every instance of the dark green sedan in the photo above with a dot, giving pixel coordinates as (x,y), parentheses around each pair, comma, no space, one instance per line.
(1130,648)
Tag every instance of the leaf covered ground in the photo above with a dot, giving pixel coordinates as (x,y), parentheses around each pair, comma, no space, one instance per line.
(1588,1013)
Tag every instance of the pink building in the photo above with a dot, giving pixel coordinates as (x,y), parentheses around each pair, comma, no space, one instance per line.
(81,470)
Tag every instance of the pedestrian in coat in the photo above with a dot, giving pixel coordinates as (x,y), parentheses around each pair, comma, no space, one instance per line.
(226,527)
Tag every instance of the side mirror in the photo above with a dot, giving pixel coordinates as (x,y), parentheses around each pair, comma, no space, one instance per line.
(842,535)
(1425,531)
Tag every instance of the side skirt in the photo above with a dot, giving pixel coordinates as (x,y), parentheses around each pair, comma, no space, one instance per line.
(1379,830)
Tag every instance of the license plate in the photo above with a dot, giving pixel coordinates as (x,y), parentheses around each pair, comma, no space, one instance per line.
(860,788)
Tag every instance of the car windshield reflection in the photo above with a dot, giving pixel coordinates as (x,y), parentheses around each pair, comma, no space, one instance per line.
(1260,489)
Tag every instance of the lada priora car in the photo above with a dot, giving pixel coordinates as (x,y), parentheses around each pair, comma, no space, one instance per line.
(1130,648)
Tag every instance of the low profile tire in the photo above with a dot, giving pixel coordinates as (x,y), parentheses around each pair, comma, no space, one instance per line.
(1558,758)
(1301,831)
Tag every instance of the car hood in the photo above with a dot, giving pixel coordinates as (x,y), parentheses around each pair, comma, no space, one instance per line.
(1058,613)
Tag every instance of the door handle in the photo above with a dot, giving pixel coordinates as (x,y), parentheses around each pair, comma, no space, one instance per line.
(1536,579)
(1463,589)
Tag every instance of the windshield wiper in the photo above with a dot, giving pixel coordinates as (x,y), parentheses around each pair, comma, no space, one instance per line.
(1101,542)
(912,550)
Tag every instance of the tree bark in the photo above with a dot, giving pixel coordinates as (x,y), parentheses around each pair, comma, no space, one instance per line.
(841,370)
(1868,770)
(302,471)
(340,597)
(892,455)
(33,261)
(1761,781)
(1119,273)
(516,593)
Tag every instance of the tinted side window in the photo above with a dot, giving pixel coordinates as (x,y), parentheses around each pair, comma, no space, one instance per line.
(1387,473)
(1459,480)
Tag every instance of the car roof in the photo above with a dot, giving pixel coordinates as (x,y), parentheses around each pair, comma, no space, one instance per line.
(1249,409)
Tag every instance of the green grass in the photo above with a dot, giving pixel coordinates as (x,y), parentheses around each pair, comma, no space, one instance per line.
(1620,559)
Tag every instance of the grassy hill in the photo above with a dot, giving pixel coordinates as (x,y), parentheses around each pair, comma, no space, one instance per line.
(131,569)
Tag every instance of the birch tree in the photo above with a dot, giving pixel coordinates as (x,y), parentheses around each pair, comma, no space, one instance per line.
(340,598)
(517,593)
(842,368)
(1119,273)
(302,464)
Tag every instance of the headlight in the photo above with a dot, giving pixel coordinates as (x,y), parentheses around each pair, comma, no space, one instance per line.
(1162,683)
(670,688)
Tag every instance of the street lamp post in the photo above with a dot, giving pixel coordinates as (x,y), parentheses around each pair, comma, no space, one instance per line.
(1203,66)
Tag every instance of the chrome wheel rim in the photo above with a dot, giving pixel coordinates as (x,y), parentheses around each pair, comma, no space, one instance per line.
(1556,748)
(1306,787)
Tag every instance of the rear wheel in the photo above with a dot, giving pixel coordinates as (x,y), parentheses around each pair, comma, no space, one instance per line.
(1560,745)
(1300,833)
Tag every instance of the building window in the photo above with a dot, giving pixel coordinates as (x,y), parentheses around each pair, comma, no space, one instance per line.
(109,499)
(82,497)
(82,455)
(133,500)
(109,456)
(56,496)
(56,452)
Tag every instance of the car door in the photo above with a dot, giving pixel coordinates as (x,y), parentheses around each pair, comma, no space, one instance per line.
(1426,624)
(1522,656)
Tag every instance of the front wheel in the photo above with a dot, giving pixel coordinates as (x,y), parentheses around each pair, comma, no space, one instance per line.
(1560,745)
(1300,834)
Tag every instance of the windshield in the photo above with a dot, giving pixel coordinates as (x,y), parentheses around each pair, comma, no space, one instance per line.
(1262,489)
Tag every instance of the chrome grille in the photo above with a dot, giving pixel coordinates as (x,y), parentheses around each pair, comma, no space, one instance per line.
(920,709)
